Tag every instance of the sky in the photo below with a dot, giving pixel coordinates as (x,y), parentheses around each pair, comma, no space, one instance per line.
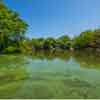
(54,18)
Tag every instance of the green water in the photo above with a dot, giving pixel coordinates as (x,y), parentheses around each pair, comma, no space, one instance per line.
(50,75)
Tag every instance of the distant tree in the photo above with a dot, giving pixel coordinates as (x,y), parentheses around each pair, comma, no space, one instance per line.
(37,43)
(83,40)
(49,43)
(64,42)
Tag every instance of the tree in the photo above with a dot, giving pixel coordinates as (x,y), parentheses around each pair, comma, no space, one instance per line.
(84,39)
(12,27)
(49,43)
(38,43)
(64,42)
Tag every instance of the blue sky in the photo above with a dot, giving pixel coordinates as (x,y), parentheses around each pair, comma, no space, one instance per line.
(53,18)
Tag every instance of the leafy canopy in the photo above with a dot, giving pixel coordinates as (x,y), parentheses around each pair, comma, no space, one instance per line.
(11,25)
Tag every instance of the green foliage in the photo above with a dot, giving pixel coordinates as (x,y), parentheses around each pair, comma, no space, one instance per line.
(26,45)
(51,43)
(12,27)
(64,42)
(83,40)
(11,49)
(96,38)
(37,43)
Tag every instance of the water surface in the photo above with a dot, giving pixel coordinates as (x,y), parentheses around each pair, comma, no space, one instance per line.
(50,75)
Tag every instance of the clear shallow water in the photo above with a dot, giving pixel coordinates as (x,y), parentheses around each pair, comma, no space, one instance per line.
(50,76)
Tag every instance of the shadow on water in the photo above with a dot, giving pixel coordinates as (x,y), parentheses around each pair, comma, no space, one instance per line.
(50,75)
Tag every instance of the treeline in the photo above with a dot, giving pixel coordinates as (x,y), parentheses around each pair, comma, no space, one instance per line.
(62,42)
(87,40)
(12,37)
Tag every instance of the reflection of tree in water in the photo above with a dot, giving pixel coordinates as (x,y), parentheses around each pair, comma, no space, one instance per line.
(88,59)
(50,55)
(12,75)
